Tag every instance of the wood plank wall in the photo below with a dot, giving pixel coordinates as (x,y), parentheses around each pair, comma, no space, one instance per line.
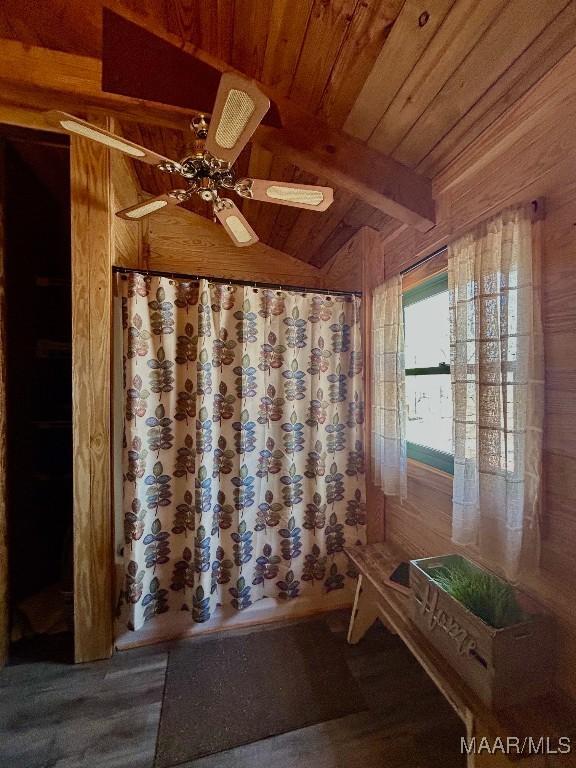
(91,326)
(101,182)
(528,153)
(181,241)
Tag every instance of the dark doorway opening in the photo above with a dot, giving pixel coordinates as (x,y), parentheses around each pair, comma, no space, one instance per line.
(36,192)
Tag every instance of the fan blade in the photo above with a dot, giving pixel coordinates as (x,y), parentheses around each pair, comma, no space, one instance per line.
(235,224)
(239,108)
(306,196)
(88,131)
(147,207)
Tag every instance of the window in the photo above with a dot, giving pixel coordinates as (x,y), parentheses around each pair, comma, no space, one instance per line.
(428,387)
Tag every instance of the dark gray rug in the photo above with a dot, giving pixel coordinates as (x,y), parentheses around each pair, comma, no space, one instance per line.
(226,691)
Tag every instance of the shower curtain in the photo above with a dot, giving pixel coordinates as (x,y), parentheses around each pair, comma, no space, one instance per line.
(243,468)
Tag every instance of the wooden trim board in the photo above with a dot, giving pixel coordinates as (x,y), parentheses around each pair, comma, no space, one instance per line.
(265,611)
(91,397)
(529,153)
(98,239)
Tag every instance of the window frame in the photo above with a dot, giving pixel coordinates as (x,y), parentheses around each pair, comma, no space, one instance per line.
(429,287)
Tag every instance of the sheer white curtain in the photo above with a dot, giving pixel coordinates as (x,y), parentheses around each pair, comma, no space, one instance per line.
(498,389)
(388,389)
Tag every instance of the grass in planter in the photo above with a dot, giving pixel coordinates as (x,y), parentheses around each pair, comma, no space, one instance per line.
(482,593)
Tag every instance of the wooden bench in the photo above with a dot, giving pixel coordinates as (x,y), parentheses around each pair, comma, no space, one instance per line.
(552,715)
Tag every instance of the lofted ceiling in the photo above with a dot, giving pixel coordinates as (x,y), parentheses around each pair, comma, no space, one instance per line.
(417,81)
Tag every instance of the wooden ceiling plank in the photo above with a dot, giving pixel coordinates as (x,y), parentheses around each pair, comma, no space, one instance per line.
(30,75)
(463,26)
(285,221)
(505,40)
(47,25)
(555,42)
(328,26)
(380,221)
(296,243)
(209,25)
(406,42)
(325,223)
(527,121)
(288,24)
(250,36)
(368,32)
(181,18)
(265,223)
(42,79)
(220,39)
(355,217)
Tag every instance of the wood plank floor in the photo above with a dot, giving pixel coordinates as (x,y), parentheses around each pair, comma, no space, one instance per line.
(106,715)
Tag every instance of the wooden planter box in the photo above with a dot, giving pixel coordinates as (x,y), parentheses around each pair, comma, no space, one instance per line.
(502,666)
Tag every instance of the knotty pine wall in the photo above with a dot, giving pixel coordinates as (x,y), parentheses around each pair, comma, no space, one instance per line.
(529,153)
(101,182)
(177,240)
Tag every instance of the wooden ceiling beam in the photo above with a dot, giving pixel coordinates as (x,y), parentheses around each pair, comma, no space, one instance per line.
(39,78)
(304,139)
(349,164)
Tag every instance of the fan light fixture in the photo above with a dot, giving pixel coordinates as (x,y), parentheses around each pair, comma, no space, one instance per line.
(209,169)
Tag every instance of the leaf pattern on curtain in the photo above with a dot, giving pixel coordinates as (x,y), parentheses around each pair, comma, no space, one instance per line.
(243,462)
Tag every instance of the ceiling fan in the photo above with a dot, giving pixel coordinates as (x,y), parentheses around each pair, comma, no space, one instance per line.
(239,108)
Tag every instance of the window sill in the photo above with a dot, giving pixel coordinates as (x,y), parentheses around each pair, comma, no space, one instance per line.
(439,460)
(431,476)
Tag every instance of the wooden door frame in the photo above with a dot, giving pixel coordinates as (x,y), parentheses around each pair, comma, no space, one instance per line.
(91,239)
(91,255)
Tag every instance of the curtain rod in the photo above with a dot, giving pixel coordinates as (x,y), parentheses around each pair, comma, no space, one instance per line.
(424,260)
(226,281)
